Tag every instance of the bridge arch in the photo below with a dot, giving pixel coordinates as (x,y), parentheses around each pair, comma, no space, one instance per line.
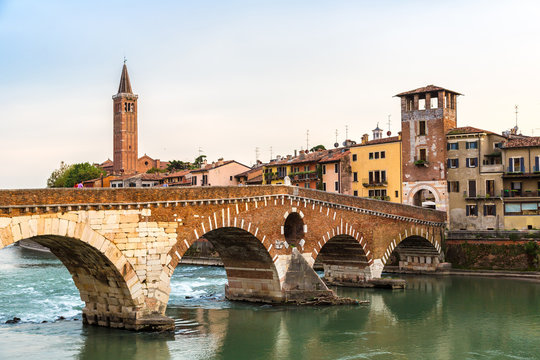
(344,260)
(417,250)
(245,252)
(106,280)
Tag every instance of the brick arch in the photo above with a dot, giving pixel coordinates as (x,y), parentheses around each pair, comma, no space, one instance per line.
(251,271)
(417,188)
(106,280)
(422,231)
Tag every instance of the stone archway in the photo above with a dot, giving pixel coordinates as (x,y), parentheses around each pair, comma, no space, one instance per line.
(106,280)
(423,196)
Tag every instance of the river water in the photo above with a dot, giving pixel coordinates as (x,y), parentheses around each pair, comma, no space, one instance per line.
(434,318)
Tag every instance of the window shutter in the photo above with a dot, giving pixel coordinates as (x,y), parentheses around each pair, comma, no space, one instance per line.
(537,164)
(467,210)
(485,210)
(457,146)
(511,166)
(522,164)
(447,146)
(477,164)
(468,162)
(467,145)
(448,163)
(457,163)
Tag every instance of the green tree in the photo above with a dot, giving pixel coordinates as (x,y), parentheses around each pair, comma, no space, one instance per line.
(57,178)
(69,175)
(198,161)
(318,147)
(155,171)
(177,165)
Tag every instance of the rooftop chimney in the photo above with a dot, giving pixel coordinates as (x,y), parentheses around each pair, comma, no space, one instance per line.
(365,139)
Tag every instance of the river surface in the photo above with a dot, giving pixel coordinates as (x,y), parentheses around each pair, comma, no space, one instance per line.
(434,318)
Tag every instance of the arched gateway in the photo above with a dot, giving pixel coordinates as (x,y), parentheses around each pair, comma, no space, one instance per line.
(122,245)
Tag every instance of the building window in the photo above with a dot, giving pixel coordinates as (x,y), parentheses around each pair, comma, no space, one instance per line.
(472,162)
(421,104)
(453,163)
(515,188)
(336,168)
(397,193)
(306,185)
(472,188)
(324,186)
(537,164)
(355,176)
(324,170)
(421,127)
(453,186)
(336,186)
(471,145)
(194,180)
(370,156)
(516,164)
(354,157)
(490,210)
(490,187)
(230,178)
(423,154)
(452,146)
(471,210)
(306,168)
(355,192)
(377,155)
(497,145)
(204,180)
(383,154)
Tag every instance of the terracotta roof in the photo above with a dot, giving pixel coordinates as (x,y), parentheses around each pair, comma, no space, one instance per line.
(426,89)
(178,173)
(255,180)
(107,162)
(145,177)
(468,130)
(125,84)
(215,165)
(335,156)
(245,173)
(380,141)
(522,142)
(314,156)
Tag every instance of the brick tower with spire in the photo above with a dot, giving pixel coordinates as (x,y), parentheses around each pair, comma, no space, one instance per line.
(125,127)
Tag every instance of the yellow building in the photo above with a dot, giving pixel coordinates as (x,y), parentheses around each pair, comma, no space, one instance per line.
(376,167)
(521,181)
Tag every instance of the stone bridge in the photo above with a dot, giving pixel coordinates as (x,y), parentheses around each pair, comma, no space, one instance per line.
(122,246)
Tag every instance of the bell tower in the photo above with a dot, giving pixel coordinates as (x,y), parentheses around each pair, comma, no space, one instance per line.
(125,127)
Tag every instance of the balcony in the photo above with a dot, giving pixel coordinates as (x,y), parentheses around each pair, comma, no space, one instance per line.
(522,174)
(304,176)
(509,193)
(488,196)
(492,168)
(374,183)
(421,163)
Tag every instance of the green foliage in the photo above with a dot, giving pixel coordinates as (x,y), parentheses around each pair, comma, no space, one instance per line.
(155,171)
(318,147)
(177,165)
(531,248)
(199,160)
(57,176)
(69,175)
(514,237)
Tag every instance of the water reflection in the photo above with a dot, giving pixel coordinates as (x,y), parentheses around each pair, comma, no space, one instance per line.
(433,318)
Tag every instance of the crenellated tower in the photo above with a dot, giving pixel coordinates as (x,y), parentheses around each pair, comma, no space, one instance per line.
(427,114)
(125,140)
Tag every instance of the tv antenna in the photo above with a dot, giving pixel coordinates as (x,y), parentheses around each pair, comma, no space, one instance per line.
(200,151)
(389,122)
(516,107)
(256,155)
(346,132)
(307,139)
(271,154)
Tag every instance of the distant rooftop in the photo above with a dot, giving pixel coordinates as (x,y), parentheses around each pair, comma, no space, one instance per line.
(426,89)
(532,141)
(468,130)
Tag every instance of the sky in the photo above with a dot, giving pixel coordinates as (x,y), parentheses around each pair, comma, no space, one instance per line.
(230,77)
